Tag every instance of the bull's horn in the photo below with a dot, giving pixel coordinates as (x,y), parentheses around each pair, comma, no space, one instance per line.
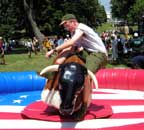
(93,78)
(50,68)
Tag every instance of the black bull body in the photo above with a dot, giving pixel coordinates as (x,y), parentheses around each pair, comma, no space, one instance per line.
(67,91)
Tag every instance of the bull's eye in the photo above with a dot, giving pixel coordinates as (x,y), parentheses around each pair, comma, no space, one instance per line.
(67,75)
(73,67)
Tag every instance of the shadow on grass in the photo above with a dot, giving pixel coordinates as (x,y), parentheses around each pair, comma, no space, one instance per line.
(17,50)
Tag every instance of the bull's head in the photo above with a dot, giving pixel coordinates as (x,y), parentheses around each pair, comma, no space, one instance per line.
(71,85)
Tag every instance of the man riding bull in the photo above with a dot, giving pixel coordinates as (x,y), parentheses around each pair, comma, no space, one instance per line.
(84,42)
(88,43)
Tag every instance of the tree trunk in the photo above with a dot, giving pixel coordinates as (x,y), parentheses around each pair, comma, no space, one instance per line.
(40,36)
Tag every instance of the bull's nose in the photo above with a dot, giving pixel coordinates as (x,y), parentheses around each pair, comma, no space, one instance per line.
(65,111)
(65,107)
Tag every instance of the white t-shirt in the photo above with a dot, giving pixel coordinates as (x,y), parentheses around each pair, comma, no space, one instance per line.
(29,44)
(90,39)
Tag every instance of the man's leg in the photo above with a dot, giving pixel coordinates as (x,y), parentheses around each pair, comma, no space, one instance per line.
(2,56)
(96,61)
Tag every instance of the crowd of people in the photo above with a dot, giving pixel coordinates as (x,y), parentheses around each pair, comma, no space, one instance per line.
(32,46)
(120,48)
(123,48)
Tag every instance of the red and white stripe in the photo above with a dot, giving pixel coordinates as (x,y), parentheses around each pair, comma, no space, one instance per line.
(127,105)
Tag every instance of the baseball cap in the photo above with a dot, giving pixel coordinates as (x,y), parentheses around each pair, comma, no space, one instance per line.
(66,18)
(135,34)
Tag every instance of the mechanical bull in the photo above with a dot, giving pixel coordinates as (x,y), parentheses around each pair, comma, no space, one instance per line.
(67,90)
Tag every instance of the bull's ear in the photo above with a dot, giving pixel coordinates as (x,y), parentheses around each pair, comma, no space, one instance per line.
(84,69)
(61,66)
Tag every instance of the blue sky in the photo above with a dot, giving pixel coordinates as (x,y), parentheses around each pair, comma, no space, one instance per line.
(106,4)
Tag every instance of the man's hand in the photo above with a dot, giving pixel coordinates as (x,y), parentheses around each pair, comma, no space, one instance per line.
(49,53)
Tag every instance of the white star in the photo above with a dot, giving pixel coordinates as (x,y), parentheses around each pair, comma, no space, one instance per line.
(17,101)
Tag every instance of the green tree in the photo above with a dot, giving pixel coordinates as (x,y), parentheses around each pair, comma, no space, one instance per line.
(120,8)
(136,12)
(129,10)
(42,17)
(9,23)
(29,11)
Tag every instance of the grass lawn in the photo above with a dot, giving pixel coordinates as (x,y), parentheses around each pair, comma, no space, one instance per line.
(104,27)
(21,62)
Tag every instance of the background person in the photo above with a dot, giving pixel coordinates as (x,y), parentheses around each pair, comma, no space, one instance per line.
(136,44)
(136,62)
(126,31)
(2,51)
(47,44)
(29,45)
(35,45)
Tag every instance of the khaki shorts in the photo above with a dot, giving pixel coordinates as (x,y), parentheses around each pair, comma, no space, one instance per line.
(94,61)
(1,52)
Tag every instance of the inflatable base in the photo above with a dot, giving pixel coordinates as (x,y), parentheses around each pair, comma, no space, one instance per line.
(41,111)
